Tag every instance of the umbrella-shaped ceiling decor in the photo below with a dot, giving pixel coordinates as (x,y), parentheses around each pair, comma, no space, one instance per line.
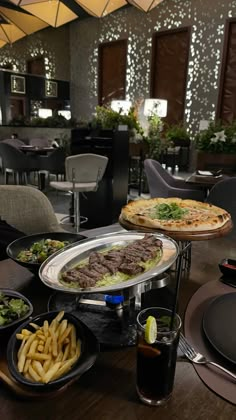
(54,12)
(16,24)
(145,5)
(100,8)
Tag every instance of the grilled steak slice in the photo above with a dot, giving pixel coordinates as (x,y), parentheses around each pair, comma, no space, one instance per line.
(95,257)
(132,258)
(111,265)
(130,268)
(99,268)
(70,276)
(92,274)
(83,282)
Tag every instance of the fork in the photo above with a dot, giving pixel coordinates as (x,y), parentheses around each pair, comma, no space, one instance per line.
(198,358)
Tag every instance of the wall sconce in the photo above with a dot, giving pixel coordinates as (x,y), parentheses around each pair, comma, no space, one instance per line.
(44,112)
(155,107)
(122,106)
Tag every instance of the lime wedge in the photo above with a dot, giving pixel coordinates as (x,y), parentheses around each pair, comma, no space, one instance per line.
(150,330)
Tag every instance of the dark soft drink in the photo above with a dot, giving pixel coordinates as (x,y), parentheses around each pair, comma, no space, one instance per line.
(156,368)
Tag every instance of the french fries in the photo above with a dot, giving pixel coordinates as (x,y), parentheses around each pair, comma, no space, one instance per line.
(49,351)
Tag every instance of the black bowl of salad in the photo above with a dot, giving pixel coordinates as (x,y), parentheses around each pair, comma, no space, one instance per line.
(31,251)
(14,309)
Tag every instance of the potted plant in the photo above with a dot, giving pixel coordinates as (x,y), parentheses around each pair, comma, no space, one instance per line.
(177,135)
(107,118)
(157,143)
(216,147)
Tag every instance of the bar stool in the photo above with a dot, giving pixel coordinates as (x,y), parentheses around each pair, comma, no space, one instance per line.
(83,174)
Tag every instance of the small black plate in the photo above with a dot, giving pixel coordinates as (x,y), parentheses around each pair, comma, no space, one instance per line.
(25,242)
(218,325)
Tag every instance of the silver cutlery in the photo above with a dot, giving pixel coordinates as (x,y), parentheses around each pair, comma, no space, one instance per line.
(198,358)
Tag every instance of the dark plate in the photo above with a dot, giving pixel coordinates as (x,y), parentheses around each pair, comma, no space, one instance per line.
(218,325)
(25,242)
(89,352)
(226,267)
(15,295)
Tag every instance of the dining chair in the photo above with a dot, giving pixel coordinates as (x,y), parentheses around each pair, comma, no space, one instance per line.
(222,195)
(163,184)
(53,163)
(83,174)
(16,162)
(27,209)
(17,143)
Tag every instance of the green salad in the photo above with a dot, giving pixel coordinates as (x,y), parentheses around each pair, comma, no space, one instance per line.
(11,309)
(168,211)
(40,251)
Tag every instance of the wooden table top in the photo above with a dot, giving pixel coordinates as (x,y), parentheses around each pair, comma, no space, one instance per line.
(107,391)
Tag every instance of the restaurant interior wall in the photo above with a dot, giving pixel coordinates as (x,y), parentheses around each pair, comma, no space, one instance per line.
(205,55)
(52,44)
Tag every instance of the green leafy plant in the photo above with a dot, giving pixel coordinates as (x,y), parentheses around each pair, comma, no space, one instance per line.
(217,138)
(107,118)
(56,121)
(177,135)
(157,143)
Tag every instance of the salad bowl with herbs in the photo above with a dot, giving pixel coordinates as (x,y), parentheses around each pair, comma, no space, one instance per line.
(14,309)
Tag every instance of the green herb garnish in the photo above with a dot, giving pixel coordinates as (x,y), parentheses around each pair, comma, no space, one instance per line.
(11,309)
(168,211)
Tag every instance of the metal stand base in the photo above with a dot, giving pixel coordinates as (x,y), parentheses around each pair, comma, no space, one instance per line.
(113,326)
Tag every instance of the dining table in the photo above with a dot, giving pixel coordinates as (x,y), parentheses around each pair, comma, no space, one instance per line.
(107,391)
(205,181)
(35,152)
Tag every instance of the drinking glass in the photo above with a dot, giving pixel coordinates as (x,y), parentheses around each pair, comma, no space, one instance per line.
(156,362)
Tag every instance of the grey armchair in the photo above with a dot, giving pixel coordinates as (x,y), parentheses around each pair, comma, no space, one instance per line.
(162,184)
(27,209)
(17,143)
(223,195)
(16,162)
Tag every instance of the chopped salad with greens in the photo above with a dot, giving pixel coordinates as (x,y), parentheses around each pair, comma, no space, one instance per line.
(168,211)
(41,250)
(11,309)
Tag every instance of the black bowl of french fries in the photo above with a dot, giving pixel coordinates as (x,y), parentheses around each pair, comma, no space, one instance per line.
(51,350)
(15,308)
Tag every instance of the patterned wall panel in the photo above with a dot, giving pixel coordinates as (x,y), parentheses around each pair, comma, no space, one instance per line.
(50,43)
(207,20)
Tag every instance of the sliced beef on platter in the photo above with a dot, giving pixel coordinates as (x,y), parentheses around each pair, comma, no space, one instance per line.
(111,265)
(130,268)
(90,273)
(96,257)
(125,260)
(100,268)
(74,276)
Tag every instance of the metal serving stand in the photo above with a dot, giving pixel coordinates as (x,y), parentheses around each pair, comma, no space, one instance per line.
(109,311)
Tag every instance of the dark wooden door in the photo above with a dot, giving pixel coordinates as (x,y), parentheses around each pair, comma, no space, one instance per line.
(112,71)
(169,70)
(36,66)
(17,107)
(227,98)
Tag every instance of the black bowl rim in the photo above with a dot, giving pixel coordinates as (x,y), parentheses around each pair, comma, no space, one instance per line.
(34,264)
(75,371)
(15,293)
(226,260)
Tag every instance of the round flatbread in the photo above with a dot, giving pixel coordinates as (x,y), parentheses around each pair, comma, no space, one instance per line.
(175,214)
